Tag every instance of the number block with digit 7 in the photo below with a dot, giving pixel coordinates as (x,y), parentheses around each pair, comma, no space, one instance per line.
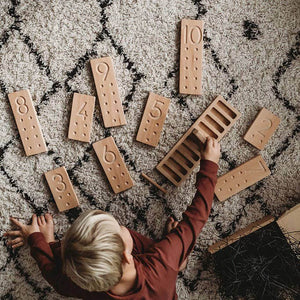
(113,164)
(62,189)
(153,120)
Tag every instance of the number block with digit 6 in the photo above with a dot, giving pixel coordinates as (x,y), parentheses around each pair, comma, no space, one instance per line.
(62,189)
(153,120)
(113,164)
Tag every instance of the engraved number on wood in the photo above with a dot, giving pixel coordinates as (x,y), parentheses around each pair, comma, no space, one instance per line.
(268,126)
(108,156)
(192,34)
(156,111)
(21,105)
(83,112)
(61,186)
(103,68)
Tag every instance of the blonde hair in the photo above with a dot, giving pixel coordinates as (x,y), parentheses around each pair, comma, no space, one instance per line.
(92,251)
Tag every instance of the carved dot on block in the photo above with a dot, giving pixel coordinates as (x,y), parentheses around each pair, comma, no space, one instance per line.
(68,194)
(114,177)
(21,120)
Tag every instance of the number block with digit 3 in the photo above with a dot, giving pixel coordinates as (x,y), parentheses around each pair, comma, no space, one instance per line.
(113,165)
(191,48)
(153,120)
(62,189)
(241,177)
(108,92)
(262,129)
(81,117)
(27,122)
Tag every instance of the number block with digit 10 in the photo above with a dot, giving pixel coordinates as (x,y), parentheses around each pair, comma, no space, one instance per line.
(153,120)
(61,189)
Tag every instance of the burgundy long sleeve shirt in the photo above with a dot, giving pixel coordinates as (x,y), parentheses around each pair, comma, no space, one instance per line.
(157,263)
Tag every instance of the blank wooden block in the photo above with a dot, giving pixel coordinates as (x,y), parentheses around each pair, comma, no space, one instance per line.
(216,121)
(27,122)
(154,183)
(262,129)
(241,177)
(191,48)
(61,189)
(153,120)
(113,165)
(108,92)
(81,117)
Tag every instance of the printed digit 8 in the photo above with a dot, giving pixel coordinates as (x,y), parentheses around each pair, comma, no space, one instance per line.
(21,105)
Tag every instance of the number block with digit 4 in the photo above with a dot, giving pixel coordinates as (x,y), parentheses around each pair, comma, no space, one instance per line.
(113,165)
(262,129)
(81,117)
(61,189)
(153,120)
(27,122)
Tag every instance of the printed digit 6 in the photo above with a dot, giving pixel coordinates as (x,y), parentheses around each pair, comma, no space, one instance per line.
(108,156)
(21,105)
(61,186)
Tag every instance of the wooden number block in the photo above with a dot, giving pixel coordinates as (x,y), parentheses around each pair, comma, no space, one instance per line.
(262,129)
(241,177)
(154,183)
(216,121)
(113,165)
(27,122)
(81,117)
(107,91)
(153,120)
(61,189)
(191,47)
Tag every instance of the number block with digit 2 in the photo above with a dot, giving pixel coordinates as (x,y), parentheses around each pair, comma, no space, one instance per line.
(81,117)
(191,48)
(62,189)
(153,120)
(27,122)
(113,164)
(262,129)
(241,177)
(108,92)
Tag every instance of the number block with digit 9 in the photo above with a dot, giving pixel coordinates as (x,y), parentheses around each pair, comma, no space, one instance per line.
(27,122)
(153,120)
(61,189)
(81,117)
(262,129)
(191,48)
(108,92)
(113,165)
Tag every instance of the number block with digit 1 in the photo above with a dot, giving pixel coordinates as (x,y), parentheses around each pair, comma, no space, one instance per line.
(108,92)
(113,164)
(27,122)
(153,120)
(81,117)
(61,189)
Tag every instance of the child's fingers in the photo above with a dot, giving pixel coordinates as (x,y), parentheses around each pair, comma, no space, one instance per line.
(39,221)
(34,219)
(43,220)
(209,142)
(17,245)
(17,222)
(13,233)
(15,241)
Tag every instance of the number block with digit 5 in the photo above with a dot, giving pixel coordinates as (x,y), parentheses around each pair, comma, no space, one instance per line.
(61,189)
(81,117)
(153,120)
(113,164)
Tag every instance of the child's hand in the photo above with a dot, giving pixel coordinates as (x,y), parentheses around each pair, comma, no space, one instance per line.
(19,237)
(211,150)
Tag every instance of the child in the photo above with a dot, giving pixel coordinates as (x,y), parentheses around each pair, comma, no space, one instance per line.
(99,259)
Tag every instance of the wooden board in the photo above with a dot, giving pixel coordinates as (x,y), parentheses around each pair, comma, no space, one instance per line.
(154,183)
(191,48)
(241,233)
(262,129)
(108,92)
(216,121)
(241,177)
(61,189)
(81,117)
(153,120)
(113,165)
(27,122)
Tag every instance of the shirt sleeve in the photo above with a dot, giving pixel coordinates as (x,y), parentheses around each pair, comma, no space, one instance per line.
(140,242)
(178,244)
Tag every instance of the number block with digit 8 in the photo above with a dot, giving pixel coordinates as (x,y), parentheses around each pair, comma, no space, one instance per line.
(62,189)
(153,120)
(113,164)
(27,122)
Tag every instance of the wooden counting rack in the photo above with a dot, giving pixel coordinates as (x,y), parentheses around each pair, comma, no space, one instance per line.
(153,120)
(216,121)
(107,91)
(113,165)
